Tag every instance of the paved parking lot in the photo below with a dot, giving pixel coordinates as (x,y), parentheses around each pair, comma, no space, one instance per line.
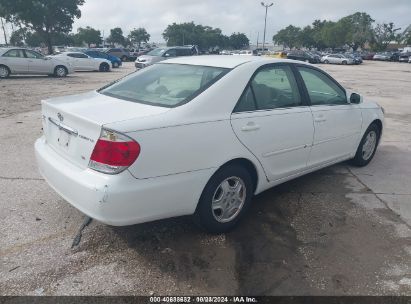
(339,231)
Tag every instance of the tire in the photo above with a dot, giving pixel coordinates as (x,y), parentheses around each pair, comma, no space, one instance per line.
(124,58)
(104,67)
(4,71)
(307,61)
(344,62)
(367,147)
(115,65)
(326,62)
(231,188)
(60,71)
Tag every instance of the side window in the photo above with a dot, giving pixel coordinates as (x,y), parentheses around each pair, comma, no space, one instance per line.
(171,53)
(321,88)
(271,88)
(14,54)
(72,55)
(82,56)
(35,55)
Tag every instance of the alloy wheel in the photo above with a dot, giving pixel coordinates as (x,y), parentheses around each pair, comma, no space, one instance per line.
(369,145)
(228,199)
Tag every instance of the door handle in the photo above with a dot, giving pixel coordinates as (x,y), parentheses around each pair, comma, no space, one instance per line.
(320,120)
(251,126)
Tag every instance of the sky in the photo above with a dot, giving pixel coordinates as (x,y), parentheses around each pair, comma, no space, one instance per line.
(246,16)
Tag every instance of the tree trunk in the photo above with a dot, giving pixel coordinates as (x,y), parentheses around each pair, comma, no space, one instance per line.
(49,43)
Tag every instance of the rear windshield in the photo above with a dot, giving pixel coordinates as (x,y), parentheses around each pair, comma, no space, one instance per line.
(166,85)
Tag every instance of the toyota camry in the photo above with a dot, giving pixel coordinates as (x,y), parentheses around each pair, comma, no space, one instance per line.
(200,136)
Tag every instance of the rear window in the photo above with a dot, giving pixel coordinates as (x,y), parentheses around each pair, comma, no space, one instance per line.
(166,85)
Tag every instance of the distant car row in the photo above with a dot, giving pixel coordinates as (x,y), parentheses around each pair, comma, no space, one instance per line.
(25,61)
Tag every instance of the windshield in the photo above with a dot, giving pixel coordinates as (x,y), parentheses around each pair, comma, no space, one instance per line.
(166,85)
(157,52)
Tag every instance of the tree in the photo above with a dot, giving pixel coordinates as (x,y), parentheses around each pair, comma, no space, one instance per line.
(359,29)
(205,37)
(88,35)
(307,37)
(239,41)
(34,39)
(116,36)
(288,37)
(18,37)
(384,33)
(45,17)
(138,36)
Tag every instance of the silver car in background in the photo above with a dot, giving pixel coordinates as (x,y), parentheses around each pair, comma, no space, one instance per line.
(25,61)
(160,54)
(337,59)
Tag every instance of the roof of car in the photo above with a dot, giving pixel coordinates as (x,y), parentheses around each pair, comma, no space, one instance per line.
(221,61)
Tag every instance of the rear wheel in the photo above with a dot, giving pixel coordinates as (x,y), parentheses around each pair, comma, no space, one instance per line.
(124,58)
(368,146)
(104,67)
(225,199)
(4,71)
(60,71)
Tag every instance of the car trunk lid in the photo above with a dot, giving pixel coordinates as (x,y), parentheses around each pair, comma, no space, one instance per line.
(72,124)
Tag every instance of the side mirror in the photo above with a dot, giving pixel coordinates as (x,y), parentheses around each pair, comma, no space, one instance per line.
(355,98)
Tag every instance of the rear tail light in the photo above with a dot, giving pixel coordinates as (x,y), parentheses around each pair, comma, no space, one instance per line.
(113,153)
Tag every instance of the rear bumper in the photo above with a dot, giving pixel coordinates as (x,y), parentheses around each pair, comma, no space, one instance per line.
(121,199)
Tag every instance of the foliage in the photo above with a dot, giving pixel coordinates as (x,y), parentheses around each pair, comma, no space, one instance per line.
(384,33)
(239,41)
(352,31)
(18,37)
(289,37)
(116,37)
(137,36)
(88,35)
(45,17)
(206,37)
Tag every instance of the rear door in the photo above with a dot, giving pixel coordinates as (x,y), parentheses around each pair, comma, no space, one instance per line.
(272,120)
(16,61)
(337,123)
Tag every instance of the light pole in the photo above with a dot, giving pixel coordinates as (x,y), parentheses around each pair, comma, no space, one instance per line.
(265,21)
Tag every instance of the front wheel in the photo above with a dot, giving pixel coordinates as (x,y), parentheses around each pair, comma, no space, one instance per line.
(104,67)
(368,146)
(326,62)
(344,62)
(4,71)
(225,199)
(60,71)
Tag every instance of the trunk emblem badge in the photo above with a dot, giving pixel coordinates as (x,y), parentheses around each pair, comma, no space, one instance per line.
(61,118)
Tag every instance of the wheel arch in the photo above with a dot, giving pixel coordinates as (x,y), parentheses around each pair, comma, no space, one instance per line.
(1,64)
(248,165)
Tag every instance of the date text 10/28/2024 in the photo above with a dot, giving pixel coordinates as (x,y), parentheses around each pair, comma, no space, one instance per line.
(204,299)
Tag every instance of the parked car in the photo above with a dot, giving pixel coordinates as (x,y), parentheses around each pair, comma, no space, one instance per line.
(404,57)
(337,59)
(303,56)
(367,55)
(387,56)
(161,54)
(83,62)
(25,61)
(355,56)
(200,135)
(123,54)
(115,61)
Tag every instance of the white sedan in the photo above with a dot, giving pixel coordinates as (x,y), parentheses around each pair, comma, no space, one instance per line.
(200,135)
(337,59)
(83,62)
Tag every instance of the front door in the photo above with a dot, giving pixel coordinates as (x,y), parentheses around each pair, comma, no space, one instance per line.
(272,121)
(38,63)
(337,123)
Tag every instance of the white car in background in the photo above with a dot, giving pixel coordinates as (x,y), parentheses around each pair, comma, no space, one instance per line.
(337,59)
(25,61)
(83,62)
(200,135)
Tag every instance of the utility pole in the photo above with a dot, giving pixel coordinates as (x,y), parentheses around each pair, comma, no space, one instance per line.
(265,20)
(258,37)
(4,31)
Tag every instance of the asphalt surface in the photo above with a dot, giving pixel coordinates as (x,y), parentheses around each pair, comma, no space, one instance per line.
(339,231)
